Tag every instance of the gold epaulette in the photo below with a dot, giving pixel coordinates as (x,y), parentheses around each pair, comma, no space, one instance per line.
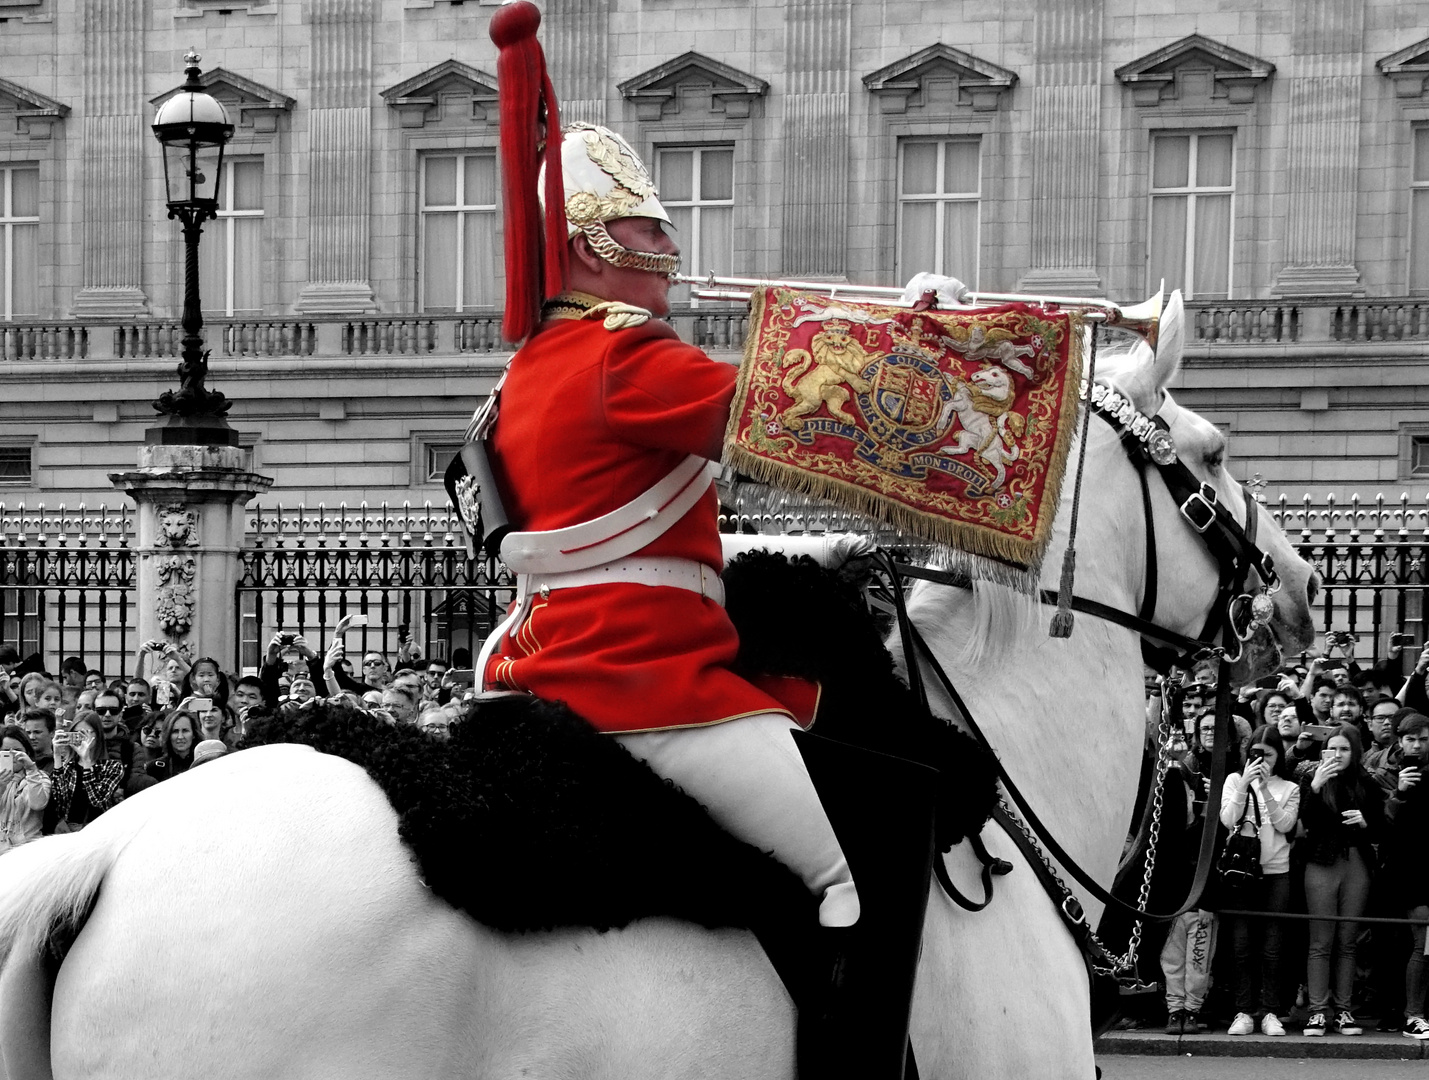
(614,314)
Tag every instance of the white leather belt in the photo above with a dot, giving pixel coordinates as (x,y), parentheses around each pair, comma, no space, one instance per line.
(673,573)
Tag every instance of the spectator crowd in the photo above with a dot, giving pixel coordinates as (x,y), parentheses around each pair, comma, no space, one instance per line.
(76,744)
(1325,780)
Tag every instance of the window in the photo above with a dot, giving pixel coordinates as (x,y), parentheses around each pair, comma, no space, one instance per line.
(939,186)
(20,619)
(15,466)
(232,273)
(1192,188)
(1419,455)
(439,456)
(1419,214)
(19,240)
(460,254)
(697,190)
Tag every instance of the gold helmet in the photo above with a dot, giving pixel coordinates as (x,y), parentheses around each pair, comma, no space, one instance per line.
(604,180)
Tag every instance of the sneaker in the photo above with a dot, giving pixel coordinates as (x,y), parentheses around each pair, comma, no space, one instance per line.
(1346,1023)
(1193,1023)
(1415,1028)
(1243,1024)
(1315,1025)
(1271,1025)
(1175,1022)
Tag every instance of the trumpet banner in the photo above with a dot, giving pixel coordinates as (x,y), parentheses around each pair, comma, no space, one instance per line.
(953,426)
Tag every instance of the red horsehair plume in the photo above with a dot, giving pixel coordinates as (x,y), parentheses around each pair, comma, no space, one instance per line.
(530,128)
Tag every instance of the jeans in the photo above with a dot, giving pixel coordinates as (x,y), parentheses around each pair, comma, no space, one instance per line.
(1270,893)
(1339,889)
(1186,960)
(1415,968)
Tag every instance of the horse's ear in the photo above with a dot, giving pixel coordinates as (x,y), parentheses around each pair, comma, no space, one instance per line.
(1171,340)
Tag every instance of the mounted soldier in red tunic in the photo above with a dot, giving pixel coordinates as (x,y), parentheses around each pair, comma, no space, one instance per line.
(602,461)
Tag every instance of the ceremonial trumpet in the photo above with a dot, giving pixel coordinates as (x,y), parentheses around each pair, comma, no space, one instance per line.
(1142,319)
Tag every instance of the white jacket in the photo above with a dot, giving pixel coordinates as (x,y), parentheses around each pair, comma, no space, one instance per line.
(1277,819)
(22,806)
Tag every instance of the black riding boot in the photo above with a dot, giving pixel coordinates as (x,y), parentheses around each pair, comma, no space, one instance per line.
(881,808)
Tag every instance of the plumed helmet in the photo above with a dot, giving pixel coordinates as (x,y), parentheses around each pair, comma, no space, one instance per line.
(604,179)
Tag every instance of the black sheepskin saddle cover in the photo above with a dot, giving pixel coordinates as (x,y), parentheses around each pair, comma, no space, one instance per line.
(528,818)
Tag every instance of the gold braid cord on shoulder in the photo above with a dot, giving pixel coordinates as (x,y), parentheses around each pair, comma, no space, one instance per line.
(579,305)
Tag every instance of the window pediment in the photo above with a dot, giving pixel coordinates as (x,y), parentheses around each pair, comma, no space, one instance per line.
(35,114)
(451,92)
(939,75)
(693,82)
(1195,67)
(251,104)
(1408,68)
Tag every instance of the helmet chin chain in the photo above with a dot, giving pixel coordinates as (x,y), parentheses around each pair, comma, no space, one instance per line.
(606,246)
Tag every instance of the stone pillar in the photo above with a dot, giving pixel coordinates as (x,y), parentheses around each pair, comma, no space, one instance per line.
(1066,127)
(190,529)
(577,53)
(815,139)
(115,137)
(1322,158)
(339,158)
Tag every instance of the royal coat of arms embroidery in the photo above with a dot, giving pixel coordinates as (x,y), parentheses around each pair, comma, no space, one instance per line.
(952,425)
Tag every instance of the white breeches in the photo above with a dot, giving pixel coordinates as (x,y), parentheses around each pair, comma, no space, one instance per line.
(749,775)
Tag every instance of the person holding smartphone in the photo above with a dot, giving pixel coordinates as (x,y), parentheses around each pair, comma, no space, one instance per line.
(1343,812)
(1403,875)
(1273,798)
(24,790)
(86,781)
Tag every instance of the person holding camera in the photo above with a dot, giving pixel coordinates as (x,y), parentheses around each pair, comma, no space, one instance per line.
(1403,875)
(1262,800)
(24,790)
(1343,812)
(86,781)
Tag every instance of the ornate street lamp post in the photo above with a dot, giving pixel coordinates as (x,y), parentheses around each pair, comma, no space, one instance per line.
(193,129)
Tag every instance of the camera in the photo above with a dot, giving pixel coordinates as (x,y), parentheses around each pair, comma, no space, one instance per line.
(287,637)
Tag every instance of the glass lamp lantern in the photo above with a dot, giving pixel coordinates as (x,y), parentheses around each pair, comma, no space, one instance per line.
(193,129)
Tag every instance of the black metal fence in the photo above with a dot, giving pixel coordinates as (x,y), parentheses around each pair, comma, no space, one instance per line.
(67,585)
(404,569)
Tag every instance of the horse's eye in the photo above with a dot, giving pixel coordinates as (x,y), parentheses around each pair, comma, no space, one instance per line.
(1216,458)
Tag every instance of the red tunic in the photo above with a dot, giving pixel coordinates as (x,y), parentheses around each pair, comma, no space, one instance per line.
(591,418)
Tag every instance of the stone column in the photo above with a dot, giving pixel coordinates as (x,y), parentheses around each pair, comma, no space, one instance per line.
(115,137)
(577,54)
(339,157)
(1322,157)
(1066,123)
(815,139)
(190,528)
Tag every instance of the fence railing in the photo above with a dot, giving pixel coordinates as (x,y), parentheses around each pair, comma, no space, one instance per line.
(67,583)
(67,574)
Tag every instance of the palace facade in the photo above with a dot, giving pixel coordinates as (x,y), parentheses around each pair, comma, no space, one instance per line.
(1268,157)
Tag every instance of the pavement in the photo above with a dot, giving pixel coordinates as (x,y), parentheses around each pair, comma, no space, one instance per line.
(1369,1046)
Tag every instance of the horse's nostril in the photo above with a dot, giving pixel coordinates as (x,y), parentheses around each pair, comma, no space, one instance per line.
(1312,588)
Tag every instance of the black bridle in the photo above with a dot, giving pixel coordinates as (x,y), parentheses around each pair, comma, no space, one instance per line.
(1235,616)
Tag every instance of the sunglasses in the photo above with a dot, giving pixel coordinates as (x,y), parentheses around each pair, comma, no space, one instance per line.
(108,710)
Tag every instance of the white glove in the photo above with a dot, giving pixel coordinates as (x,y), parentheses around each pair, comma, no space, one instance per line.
(949,289)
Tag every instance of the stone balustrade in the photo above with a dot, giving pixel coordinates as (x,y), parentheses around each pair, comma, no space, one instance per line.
(1212,323)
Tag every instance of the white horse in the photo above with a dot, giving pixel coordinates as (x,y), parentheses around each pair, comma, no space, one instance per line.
(259,917)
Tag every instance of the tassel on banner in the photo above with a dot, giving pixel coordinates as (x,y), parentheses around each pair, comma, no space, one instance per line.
(530,132)
(1064,618)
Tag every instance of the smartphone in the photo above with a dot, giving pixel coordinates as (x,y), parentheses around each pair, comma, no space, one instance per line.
(7,761)
(61,739)
(1319,731)
(201,705)
(460,677)
(1328,755)
(357,620)
(1256,755)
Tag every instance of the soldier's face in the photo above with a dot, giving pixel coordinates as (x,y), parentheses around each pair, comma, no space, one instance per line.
(643,288)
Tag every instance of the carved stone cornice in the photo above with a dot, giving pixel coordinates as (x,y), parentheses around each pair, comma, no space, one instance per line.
(906,83)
